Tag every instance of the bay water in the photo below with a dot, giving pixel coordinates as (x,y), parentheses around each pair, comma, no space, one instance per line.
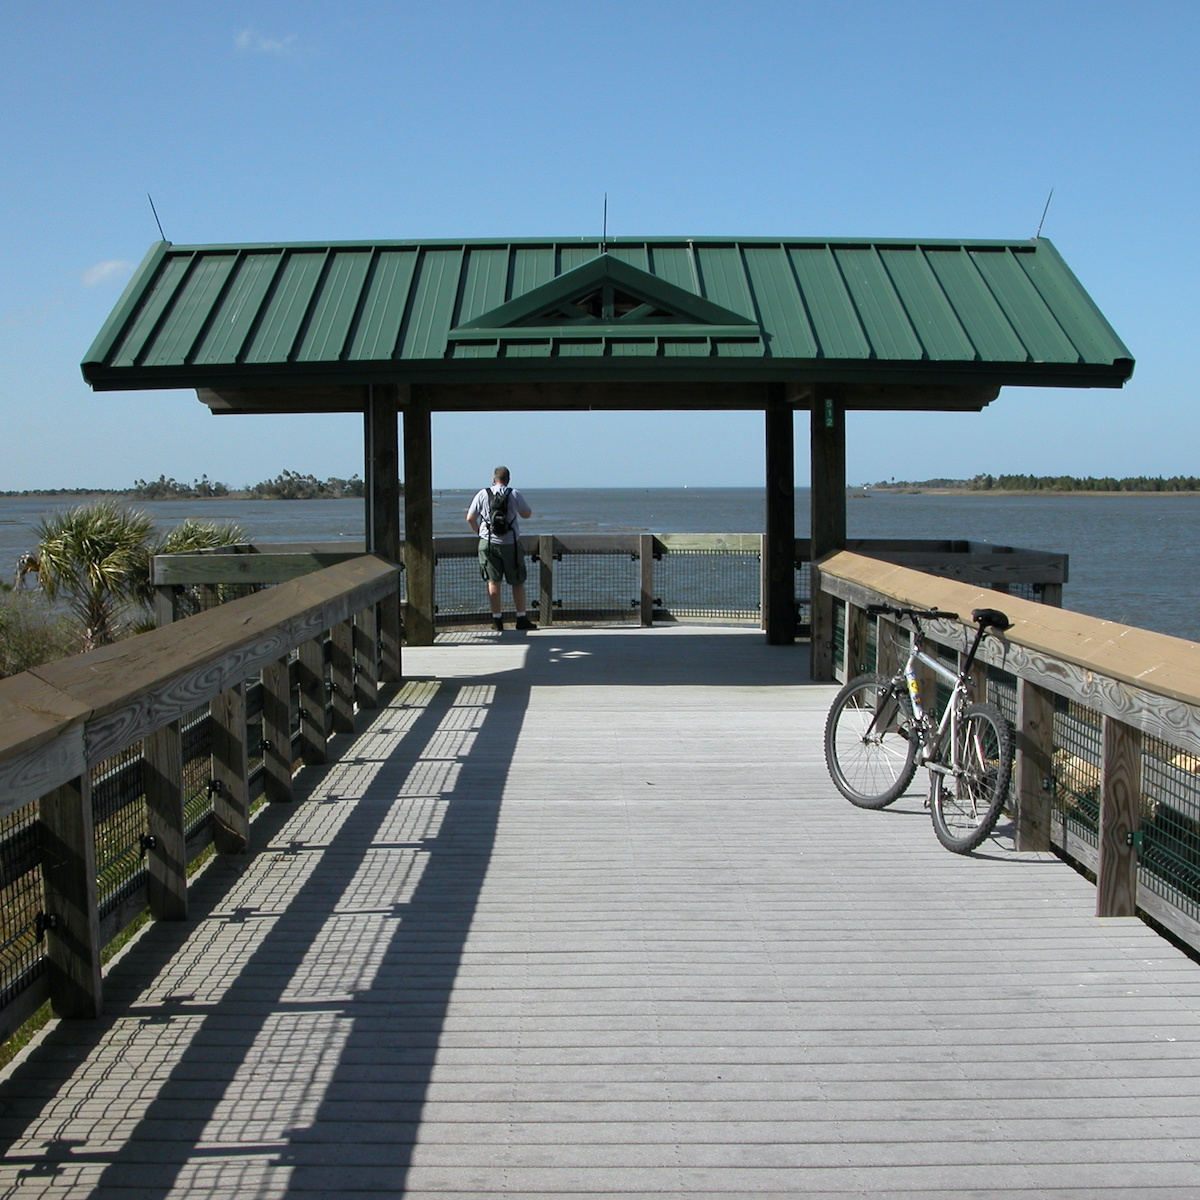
(1133,558)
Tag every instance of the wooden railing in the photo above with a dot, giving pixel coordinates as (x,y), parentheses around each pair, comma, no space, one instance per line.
(654,584)
(1107,719)
(314,643)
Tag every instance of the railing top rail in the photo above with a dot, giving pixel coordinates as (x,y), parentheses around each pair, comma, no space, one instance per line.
(1150,680)
(64,716)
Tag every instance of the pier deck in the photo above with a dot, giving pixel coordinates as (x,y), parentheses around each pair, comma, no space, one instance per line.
(580,914)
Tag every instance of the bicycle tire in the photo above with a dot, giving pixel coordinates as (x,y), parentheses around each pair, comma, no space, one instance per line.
(968,803)
(868,749)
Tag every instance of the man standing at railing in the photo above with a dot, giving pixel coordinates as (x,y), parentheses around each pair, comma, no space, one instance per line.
(495,515)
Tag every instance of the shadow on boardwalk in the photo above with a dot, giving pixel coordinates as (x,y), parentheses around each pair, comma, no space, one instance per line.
(189,1083)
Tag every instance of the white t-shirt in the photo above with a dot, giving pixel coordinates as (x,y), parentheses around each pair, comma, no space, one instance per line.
(481,507)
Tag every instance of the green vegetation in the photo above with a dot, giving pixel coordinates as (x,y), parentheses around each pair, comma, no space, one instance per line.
(1051,483)
(289,485)
(95,559)
(294,486)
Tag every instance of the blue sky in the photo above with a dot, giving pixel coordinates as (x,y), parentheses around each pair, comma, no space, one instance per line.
(321,121)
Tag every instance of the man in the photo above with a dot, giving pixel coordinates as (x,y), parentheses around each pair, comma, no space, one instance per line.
(495,515)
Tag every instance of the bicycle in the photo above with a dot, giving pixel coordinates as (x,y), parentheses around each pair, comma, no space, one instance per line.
(878,732)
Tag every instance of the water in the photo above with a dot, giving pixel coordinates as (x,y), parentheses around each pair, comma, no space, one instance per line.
(1133,558)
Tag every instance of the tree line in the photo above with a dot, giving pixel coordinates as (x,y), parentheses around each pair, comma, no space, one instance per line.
(288,485)
(1055,483)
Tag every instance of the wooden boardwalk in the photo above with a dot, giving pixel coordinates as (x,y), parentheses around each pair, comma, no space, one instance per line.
(580,914)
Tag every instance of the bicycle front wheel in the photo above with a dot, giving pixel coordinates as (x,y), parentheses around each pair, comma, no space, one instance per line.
(870,746)
(968,803)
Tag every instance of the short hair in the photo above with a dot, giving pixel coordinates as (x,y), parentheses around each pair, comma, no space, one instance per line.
(501,475)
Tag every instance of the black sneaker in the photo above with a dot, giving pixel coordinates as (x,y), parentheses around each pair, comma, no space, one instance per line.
(525,623)
(498,624)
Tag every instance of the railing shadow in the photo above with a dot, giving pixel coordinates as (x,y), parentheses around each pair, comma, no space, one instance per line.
(393,889)
(319,972)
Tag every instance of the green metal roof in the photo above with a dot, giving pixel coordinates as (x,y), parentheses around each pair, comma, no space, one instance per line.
(915,312)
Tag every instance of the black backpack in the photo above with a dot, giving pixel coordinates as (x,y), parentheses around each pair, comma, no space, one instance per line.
(499,521)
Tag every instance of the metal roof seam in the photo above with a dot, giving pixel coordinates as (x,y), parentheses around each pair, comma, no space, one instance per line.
(140,355)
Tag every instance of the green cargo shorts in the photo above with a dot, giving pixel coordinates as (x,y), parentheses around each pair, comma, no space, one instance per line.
(501,560)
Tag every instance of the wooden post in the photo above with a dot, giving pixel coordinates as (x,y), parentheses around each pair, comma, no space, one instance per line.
(164,604)
(646,573)
(341,676)
(277,731)
(166,852)
(310,676)
(1120,817)
(827,426)
(383,511)
(230,772)
(856,640)
(366,659)
(779,546)
(546,579)
(419,624)
(1034,764)
(68,853)
(1052,594)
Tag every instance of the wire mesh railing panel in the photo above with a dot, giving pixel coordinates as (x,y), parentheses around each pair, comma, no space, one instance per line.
(194,598)
(709,583)
(802,591)
(119,818)
(597,587)
(1169,856)
(21,899)
(459,589)
(1077,756)
(1002,692)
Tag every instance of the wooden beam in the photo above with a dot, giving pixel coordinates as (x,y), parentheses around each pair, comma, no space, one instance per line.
(646,577)
(545,553)
(382,455)
(68,855)
(277,730)
(1034,765)
(310,678)
(230,772)
(779,544)
(827,440)
(418,522)
(341,675)
(166,851)
(1120,818)
(916,397)
(298,399)
(618,395)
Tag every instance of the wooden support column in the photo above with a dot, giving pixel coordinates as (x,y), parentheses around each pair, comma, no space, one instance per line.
(1034,764)
(341,675)
(779,545)
(366,659)
(166,853)
(68,853)
(310,676)
(828,511)
(419,625)
(277,731)
(382,454)
(230,772)
(546,579)
(887,637)
(1120,817)
(646,574)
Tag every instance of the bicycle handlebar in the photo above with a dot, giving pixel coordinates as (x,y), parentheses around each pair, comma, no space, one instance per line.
(983,617)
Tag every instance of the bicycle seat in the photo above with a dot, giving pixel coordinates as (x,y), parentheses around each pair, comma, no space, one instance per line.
(991,618)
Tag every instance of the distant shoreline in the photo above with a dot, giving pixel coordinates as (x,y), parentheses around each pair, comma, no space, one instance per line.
(949,491)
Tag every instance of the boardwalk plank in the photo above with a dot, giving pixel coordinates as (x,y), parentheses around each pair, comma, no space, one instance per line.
(581,915)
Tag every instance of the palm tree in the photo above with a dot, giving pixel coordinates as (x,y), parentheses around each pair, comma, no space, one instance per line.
(97,556)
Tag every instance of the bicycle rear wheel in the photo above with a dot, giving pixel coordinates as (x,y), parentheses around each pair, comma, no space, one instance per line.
(967,802)
(869,747)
